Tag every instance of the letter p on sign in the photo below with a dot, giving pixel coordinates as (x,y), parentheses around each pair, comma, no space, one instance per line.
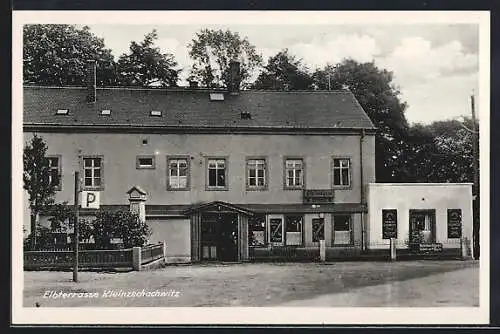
(90,199)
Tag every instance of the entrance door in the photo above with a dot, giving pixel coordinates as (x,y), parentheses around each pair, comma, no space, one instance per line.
(423,221)
(219,238)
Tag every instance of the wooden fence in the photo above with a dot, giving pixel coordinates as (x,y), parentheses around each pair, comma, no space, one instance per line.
(94,259)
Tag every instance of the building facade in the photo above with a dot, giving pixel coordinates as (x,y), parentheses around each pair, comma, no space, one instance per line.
(227,175)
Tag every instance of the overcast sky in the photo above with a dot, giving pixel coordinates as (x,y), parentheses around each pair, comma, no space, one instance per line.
(434,65)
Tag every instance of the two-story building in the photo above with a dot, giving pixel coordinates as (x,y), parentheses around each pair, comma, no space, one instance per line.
(227,174)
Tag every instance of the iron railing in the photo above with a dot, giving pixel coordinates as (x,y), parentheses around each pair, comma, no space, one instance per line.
(151,253)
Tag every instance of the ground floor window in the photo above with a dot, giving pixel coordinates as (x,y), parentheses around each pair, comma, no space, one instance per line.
(342,230)
(257,231)
(318,229)
(293,227)
(276,230)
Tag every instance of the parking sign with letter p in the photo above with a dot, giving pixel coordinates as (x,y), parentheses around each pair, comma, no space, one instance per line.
(90,199)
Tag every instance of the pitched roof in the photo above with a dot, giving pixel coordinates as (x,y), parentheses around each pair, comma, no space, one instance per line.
(191,108)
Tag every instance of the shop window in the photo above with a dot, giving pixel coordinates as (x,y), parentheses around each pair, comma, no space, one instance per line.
(341,172)
(276,230)
(342,230)
(257,231)
(256,174)
(178,173)
(294,174)
(422,226)
(318,229)
(293,228)
(217,174)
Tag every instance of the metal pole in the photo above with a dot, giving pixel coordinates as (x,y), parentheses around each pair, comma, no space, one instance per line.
(475,160)
(76,228)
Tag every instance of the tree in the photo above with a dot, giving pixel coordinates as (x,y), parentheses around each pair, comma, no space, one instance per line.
(56,55)
(120,224)
(212,51)
(284,72)
(379,97)
(36,181)
(145,65)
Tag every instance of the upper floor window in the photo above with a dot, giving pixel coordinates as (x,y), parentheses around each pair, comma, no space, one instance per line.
(342,172)
(294,173)
(217,174)
(256,174)
(178,173)
(92,169)
(145,162)
(55,171)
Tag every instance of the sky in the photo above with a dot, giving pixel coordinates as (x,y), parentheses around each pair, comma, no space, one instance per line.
(435,66)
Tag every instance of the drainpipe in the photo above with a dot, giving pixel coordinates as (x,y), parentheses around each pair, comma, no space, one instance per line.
(362,189)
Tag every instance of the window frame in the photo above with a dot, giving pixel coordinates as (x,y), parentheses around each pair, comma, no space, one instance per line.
(265,244)
(226,173)
(59,168)
(270,230)
(82,171)
(266,174)
(312,228)
(285,228)
(285,175)
(351,230)
(146,156)
(188,172)
(349,173)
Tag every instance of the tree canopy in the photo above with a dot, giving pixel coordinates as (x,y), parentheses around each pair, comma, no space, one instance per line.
(56,55)
(213,50)
(145,65)
(284,72)
(376,93)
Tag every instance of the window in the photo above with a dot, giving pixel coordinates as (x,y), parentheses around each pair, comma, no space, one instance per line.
(341,172)
(256,174)
(342,230)
(293,228)
(216,97)
(55,171)
(145,162)
(62,112)
(92,169)
(155,113)
(257,230)
(217,174)
(106,112)
(318,229)
(178,173)
(294,173)
(276,230)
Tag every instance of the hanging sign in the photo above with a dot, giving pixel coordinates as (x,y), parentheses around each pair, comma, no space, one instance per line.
(90,199)
(389,224)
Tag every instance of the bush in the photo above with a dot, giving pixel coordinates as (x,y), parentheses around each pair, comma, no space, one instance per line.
(120,224)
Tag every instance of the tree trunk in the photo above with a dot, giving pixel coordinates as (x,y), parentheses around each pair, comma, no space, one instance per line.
(33,220)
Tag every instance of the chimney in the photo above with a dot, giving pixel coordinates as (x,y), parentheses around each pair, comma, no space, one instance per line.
(91,81)
(234,77)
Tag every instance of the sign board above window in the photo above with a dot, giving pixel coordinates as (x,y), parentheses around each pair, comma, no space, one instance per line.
(318,196)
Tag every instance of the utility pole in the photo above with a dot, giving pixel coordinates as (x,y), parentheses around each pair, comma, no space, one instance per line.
(76,228)
(475,171)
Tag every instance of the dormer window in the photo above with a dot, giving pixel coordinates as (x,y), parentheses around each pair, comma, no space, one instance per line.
(155,113)
(106,112)
(216,97)
(246,115)
(62,112)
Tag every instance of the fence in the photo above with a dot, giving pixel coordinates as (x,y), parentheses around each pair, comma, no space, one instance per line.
(452,249)
(94,259)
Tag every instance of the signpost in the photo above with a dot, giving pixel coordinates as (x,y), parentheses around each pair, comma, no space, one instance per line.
(76,228)
(90,199)
(454,223)
(389,224)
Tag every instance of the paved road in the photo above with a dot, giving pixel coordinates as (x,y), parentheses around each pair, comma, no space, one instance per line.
(454,288)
